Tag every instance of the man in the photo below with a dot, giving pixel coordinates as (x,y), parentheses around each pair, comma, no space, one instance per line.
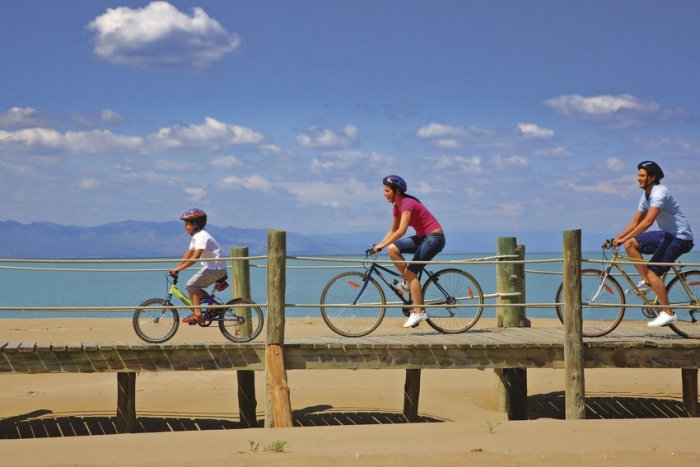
(665,245)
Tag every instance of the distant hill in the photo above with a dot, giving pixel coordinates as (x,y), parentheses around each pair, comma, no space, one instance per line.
(134,239)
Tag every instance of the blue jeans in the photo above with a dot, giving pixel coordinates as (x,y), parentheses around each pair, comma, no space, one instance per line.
(424,247)
(664,248)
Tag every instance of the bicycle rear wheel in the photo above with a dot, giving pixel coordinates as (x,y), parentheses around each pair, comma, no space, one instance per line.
(241,324)
(153,323)
(453,287)
(603,303)
(687,324)
(345,290)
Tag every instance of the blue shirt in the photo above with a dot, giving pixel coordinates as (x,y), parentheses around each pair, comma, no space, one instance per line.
(671,219)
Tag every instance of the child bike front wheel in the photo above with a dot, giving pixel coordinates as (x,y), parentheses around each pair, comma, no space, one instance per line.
(155,321)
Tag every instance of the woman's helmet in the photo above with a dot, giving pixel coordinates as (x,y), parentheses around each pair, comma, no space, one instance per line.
(196,216)
(652,168)
(395,183)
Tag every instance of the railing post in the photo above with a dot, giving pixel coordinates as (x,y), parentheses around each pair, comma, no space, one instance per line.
(126,402)
(247,404)
(278,411)
(511,384)
(574,390)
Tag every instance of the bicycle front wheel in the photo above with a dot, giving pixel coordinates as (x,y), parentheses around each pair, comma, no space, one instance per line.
(603,303)
(241,324)
(354,304)
(687,324)
(453,287)
(153,323)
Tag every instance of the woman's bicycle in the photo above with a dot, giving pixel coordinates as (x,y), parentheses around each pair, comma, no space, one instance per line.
(156,320)
(353,304)
(604,301)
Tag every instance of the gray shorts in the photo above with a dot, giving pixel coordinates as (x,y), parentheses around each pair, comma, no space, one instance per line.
(204,278)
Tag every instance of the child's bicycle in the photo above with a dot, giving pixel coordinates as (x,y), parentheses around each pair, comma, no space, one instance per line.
(353,303)
(603,299)
(156,320)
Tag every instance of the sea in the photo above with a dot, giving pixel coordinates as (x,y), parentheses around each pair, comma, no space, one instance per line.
(76,287)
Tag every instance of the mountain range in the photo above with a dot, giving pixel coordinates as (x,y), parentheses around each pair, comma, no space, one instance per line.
(137,239)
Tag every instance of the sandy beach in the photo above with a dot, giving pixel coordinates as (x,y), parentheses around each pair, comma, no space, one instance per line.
(342,417)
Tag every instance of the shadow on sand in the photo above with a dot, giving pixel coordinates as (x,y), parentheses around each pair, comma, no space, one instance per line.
(41,423)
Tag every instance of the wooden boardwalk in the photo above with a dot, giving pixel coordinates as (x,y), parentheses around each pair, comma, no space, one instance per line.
(484,348)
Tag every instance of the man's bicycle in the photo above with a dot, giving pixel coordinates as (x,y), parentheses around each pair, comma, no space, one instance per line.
(604,301)
(156,320)
(353,303)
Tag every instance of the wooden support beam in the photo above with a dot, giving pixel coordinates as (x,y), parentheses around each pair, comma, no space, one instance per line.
(690,390)
(126,402)
(411,394)
(511,383)
(247,404)
(278,410)
(574,385)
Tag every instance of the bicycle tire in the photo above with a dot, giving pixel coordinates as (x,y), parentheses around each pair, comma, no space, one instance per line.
(155,325)
(687,325)
(241,324)
(461,289)
(353,321)
(596,321)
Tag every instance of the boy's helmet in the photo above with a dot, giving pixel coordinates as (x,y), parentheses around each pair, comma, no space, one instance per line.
(652,168)
(196,216)
(396,183)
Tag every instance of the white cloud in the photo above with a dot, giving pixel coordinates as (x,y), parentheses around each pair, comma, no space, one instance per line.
(110,116)
(254,182)
(621,111)
(330,193)
(225,162)
(159,35)
(531,130)
(335,160)
(21,117)
(614,164)
(320,138)
(439,130)
(212,133)
(464,164)
(196,193)
(554,151)
(89,184)
(502,162)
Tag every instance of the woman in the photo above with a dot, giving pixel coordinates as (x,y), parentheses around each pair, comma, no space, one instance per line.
(428,241)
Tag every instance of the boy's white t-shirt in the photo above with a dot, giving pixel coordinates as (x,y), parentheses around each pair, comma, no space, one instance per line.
(210,249)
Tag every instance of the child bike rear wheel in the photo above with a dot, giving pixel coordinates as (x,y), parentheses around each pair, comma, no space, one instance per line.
(154,322)
(241,324)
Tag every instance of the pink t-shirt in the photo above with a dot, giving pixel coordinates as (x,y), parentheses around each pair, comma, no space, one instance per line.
(422,221)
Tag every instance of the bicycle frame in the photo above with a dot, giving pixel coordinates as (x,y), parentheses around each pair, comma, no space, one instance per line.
(174,290)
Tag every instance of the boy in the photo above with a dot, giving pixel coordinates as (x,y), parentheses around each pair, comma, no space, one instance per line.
(202,245)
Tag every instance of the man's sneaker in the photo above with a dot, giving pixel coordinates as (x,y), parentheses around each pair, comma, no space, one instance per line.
(402,287)
(664,319)
(415,319)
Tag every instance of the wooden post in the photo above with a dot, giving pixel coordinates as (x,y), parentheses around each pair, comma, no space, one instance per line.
(690,390)
(126,402)
(278,409)
(411,394)
(574,388)
(247,404)
(511,383)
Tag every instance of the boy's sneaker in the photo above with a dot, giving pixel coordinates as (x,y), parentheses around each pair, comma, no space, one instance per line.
(664,319)
(642,286)
(415,319)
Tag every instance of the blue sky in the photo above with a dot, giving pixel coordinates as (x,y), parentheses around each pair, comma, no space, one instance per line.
(501,115)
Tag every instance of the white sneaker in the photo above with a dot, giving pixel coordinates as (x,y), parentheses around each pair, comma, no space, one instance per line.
(664,319)
(402,287)
(415,319)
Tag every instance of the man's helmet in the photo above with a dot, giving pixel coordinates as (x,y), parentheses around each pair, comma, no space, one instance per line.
(196,216)
(395,183)
(652,168)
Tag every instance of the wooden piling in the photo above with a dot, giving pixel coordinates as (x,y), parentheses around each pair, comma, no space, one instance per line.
(411,394)
(689,377)
(574,386)
(126,402)
(278,411)
(511,383)
(247,403)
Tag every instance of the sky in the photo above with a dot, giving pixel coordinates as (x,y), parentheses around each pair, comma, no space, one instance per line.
(506,116)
